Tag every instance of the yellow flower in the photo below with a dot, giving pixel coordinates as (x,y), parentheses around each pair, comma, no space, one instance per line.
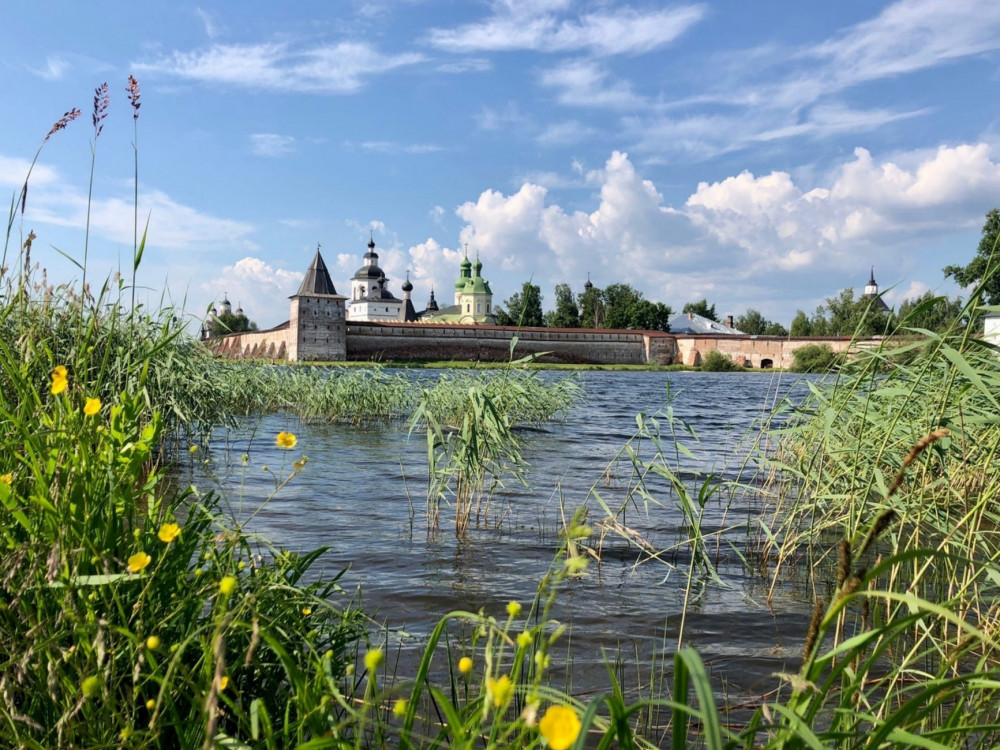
(92,406)
(7,478)
(227,585)
(153,642)
(501,689)
(223,682)
(168,532)
(59,381)
(150,704)
(374,659)
(138,561)
(465,665)
(560,727)
(399,707)
(306,611)
(513,608)
(523,640)
(286,440)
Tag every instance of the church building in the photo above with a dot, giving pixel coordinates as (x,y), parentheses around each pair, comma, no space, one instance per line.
(473,298)
(371,301)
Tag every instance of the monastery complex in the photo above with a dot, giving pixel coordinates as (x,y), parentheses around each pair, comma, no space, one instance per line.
(374,325)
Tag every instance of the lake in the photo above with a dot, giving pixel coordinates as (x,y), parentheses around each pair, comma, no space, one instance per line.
(363,494)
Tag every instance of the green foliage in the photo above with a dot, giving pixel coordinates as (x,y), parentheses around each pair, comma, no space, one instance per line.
(625,307)
(591,305)
(716,361)
(702,308)
(523,308)
(566,314)
(229,322)
(844,315)
(753,323)
(981,272)
(931,313)
(814,358)
(472,446)
(801,325)
(895,462)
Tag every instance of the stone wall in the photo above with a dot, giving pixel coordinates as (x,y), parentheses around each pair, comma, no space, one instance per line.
(270,344)
(756,352)
(383,342)
(330,338)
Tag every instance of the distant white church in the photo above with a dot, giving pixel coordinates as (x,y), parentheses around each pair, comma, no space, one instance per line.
(371,301)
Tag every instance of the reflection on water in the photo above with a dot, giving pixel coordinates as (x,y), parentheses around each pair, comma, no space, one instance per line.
(362,494)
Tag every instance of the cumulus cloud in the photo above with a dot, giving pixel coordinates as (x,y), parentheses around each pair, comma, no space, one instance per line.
(270,144)
(765,241)
(262,290)
(340,68)
(868,208)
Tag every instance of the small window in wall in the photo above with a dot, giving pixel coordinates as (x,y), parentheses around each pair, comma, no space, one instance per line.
(479,308)
(487,308)
(468,307)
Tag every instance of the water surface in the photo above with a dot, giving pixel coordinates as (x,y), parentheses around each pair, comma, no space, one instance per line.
(362,494)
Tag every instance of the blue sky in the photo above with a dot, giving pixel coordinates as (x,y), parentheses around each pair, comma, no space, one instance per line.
(757,154)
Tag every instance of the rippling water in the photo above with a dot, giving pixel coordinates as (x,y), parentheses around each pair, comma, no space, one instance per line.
(363,495)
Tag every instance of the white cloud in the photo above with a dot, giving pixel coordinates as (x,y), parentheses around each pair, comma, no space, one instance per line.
(261,289)
(504,118)
(869,209)
(911,35)
(270,144)
(583,83)
(340,68)
(774,92)
(14,170)
(389,147)
(538,27)
(565,133)
(208,21)
(466,65)
(55,68)
(172,225)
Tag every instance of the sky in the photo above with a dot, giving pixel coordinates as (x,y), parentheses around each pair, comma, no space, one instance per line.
(759,155)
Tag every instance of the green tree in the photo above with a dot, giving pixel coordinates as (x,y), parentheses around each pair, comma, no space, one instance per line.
(845,316)
(566,314)
(754,323)
(523,308)
(702,308)
(716,361)
(814,358)
(625,307)
(229,322)
(592,308)
(801,325)
(982,271)
(934,313)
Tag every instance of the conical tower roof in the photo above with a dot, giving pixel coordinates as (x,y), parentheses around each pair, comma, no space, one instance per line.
(317,279)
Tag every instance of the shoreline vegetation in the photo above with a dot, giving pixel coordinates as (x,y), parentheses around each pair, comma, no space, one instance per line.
(135,613)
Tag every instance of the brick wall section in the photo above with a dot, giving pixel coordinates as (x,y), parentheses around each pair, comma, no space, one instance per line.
(331,338)
(383,342)
(755,352)
(270,344)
